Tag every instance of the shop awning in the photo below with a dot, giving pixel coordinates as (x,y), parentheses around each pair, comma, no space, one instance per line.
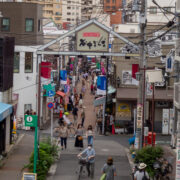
(132,94)
(111,90)
(5,110)
(60,93)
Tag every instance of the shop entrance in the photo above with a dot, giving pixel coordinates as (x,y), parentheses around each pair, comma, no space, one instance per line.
(2,135)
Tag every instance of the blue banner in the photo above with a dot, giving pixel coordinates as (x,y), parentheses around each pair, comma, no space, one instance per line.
(101,85)
(63,76)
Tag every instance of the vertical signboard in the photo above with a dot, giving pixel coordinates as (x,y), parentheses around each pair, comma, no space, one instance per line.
(178,160)
(92,38)
(139,116)
(101,85)
(165,122)
(63,76)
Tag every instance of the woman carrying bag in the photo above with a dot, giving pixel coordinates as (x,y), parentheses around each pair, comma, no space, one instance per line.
(108,170)
(79,137)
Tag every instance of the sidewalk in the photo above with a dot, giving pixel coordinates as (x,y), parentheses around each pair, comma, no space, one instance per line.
(12,170)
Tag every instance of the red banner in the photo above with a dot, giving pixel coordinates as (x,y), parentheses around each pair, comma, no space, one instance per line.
(46,70)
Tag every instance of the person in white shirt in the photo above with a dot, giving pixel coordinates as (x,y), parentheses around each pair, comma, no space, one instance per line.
(141,173)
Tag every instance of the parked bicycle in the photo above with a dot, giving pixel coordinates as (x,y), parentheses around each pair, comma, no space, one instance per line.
(163,168)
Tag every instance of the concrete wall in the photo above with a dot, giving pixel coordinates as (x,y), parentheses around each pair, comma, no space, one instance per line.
(25,84)
(7,133)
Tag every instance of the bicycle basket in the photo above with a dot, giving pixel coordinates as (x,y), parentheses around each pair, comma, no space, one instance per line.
(82,161)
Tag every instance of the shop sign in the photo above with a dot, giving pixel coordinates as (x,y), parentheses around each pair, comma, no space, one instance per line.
(178,160)
(92,38)
(29,176)
(139,116)
(101,85)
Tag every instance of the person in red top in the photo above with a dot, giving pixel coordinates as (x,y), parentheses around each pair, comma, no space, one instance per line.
(92,88)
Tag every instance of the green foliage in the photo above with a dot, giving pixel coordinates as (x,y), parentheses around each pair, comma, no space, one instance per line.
(148,155)
(47,154)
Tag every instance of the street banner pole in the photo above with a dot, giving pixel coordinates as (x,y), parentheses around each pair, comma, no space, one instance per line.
(51,125)
(35,148)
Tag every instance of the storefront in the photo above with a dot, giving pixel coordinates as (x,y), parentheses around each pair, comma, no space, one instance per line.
(5,126)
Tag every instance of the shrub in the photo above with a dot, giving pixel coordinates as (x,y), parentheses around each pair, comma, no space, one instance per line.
(149,155)
(47,154)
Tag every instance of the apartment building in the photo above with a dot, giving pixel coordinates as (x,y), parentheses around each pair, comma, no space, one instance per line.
(71,13)
(23,22)
(86,10)
(52,9)
(114,8)
(154,14)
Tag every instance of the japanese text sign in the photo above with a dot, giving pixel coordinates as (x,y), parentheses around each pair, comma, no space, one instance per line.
(92,38)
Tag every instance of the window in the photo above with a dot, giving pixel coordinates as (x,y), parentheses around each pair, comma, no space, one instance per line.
(68,19)
(113,7)
(16,62)
(58,6)
(107,7)
(73,13)
(5,24)
(57,18)
(153,10)
(68,13)
(113,1)
(28,62)
(39,25)
(29,25)
(57,0)
(58,13)
(27,108)
(68,7)
(167,9)
(72,19)
(77,7)
(108,1)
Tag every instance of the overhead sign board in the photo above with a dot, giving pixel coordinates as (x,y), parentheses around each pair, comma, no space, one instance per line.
(92,39)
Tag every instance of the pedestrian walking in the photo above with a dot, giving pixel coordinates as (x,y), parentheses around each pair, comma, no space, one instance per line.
(92,88)
(90,135)
(108,170)
(63,134)
(111,119)
(89,152)
(79,137)
(141,174)
(80,102)
(75,113)
(82,117)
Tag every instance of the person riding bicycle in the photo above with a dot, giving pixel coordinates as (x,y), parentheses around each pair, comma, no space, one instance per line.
(89,152)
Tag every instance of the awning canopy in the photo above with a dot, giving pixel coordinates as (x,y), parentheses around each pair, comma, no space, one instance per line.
(132,94)
(60,93)
(5,110)
(111,90)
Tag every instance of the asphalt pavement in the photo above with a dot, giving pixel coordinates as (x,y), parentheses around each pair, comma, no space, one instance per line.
(67,166)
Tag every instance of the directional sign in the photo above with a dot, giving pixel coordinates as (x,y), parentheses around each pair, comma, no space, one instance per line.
(50,105)
(30,120)
(50,93)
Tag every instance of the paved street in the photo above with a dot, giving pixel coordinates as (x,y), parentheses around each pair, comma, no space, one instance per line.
(68,163)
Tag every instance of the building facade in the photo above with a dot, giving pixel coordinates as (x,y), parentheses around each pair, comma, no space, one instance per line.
(51,9)
(154,14)
(127,89)
(23,22)
(114,9)
(71,13)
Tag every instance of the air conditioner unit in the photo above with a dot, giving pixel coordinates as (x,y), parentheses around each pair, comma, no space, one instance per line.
(177,51)
(178,6)
(177,95)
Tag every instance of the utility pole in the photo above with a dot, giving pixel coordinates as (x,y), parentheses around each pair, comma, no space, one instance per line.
(176,125)
(141,87)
